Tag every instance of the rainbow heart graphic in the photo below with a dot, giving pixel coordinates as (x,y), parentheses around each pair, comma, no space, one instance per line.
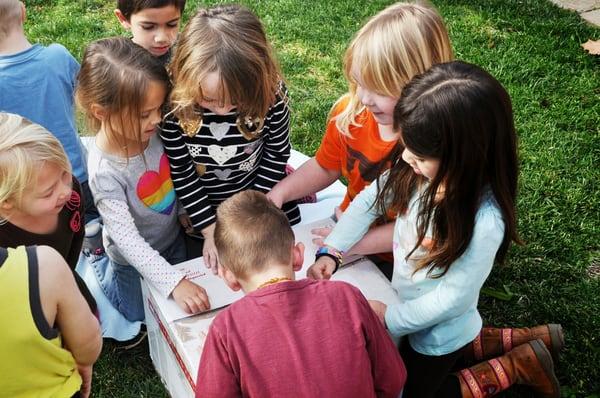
(156,190)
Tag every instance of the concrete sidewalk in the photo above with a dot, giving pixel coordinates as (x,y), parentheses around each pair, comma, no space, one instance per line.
(587,9)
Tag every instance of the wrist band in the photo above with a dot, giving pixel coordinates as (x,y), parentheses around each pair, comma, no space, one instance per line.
(332,253)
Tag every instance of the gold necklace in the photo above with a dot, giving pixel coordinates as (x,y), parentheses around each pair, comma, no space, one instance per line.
(272,281)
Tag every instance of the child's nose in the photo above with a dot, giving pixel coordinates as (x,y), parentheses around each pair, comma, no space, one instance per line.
(161,36)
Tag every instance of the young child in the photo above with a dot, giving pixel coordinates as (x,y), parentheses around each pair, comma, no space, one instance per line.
(49,339)
(399,42)
(121,89)
(38,83)
(453,184)
(154,24)
(229,129)
(285,337)
(40,200)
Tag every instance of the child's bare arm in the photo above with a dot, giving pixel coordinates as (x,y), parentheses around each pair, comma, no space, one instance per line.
(311,177)
(60,295)
(377,240)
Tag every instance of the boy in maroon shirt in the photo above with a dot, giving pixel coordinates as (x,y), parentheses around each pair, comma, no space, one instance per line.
(287,338)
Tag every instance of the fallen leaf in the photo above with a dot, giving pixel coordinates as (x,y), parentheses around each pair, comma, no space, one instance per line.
(592,46)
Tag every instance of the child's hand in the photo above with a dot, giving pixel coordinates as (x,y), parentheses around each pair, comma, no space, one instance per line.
(86,380)
(209,251)
(321,269)
(379,308)
(321,233)
(186,223)
(324,232)
(190,297)
(275,198)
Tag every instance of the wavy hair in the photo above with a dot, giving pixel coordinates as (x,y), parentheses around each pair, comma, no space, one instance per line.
(229,40)
(398,43)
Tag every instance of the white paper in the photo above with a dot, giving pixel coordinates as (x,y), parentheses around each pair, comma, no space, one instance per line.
(219,294)
(363,275)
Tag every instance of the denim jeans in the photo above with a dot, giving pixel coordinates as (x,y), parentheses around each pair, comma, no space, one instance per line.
(121,283)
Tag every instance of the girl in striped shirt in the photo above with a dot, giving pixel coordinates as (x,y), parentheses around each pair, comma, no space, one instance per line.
(229,126)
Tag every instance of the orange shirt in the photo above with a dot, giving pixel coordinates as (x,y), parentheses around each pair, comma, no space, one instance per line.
(360,158)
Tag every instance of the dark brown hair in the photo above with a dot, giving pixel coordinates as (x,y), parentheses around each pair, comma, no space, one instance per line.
(115,74)
(462,116)
(130,7)
(230,40)
(251,233)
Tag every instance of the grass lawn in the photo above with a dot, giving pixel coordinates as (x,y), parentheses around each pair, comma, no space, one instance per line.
(533,48)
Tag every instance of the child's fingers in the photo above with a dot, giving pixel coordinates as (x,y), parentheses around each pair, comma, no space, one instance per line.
(203,298)
(322,232)
(318,241)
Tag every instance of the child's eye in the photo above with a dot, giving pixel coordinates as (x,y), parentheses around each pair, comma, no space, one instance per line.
(145,115)
(147,27)
(173,24)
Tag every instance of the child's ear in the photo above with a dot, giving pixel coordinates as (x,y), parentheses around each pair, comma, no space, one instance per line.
(230,279)
(7,205)
(298,256)
(122,20)
(23,12)
(98,112)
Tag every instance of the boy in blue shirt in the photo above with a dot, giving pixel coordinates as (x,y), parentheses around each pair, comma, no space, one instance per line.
(38,83)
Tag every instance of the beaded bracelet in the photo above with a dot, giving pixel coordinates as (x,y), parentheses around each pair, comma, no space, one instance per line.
(332,253)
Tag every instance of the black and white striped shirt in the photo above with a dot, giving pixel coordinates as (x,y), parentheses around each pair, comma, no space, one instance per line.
(218,161)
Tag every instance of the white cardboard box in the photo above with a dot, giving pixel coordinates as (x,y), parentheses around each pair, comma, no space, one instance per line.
(176,340)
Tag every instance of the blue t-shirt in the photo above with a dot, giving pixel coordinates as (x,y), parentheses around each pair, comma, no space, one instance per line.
(39,83)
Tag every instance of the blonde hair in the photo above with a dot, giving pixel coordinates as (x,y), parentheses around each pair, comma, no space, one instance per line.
(115,74)
(24,146)
(251,233)
(398,43)
(229,40)
(10,13)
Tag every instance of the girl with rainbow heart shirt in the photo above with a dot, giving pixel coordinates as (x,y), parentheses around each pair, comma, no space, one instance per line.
(122,89)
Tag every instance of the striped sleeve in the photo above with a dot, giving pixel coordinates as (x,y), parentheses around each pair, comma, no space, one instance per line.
(188,186)
(277,145)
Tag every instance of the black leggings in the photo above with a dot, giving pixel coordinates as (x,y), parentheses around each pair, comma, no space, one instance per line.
(429,376)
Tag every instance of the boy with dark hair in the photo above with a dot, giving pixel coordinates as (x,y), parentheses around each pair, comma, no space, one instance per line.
(154,24)
(284,338)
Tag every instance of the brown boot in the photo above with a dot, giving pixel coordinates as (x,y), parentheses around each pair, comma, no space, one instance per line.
(529,364)
(492,342)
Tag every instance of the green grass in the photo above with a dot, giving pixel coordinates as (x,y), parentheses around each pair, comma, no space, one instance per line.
(534,50)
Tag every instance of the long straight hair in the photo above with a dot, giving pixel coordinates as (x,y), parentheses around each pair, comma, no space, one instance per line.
(462,116)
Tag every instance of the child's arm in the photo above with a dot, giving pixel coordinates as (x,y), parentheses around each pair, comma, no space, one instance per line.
(120,226)
(215,372)
(309,178)
(277,147)
(387,368)
(185,177)
(377,240)
(353,225)
(64,306)
(78,326)
(458,289)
